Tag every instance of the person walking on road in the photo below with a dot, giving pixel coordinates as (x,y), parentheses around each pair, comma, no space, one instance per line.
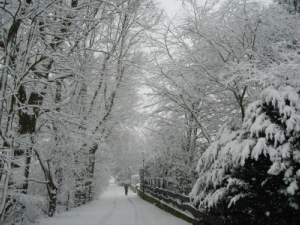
(126,186)
(125,179)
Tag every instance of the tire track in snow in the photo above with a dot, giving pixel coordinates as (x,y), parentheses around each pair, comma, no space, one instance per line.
(137,214)
(108,215)
(134,211)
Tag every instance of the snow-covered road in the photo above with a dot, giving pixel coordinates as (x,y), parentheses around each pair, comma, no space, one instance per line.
(114,208)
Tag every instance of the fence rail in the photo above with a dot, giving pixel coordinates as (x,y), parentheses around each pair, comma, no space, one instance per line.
(181,202)
(158,189)
(162,193)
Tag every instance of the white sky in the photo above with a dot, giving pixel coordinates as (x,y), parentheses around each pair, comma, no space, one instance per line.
(170,6)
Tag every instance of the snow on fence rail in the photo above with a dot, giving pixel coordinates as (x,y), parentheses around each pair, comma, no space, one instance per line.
(155,190)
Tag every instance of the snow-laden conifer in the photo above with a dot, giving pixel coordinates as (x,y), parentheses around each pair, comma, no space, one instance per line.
(256,166)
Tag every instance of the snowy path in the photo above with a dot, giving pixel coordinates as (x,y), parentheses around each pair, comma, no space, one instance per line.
(114,208)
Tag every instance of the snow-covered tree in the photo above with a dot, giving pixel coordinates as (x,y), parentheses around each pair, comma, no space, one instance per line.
(293,5)
(62,64)
(253,171)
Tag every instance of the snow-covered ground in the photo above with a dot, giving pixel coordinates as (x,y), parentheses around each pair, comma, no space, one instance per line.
(114,208)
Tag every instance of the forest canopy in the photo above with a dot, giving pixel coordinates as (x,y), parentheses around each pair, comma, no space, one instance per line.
(207,100)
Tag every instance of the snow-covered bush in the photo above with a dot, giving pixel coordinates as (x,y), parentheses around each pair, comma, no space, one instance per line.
(24,209)
(255,169)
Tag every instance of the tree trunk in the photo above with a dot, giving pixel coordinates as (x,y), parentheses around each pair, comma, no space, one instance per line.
(5,186)
(58,167)
(27,124)
(52,194)
(91,170)
(51,185)
(240,98)
(26,171)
